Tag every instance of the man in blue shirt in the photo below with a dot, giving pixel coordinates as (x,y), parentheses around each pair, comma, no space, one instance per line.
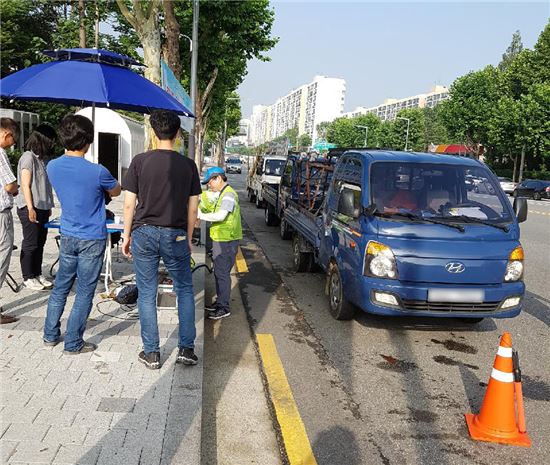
(80,187)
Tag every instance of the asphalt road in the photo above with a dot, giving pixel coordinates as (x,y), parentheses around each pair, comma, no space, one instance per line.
(381,390)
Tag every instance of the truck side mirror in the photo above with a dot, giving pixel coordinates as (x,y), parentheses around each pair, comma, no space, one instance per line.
(520,208)
(346,203)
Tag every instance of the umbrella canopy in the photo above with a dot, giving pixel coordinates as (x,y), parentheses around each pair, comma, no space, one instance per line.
(88,80)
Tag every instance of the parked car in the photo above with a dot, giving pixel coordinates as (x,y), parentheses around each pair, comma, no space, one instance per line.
(533,189)
(233,165)
(507,185)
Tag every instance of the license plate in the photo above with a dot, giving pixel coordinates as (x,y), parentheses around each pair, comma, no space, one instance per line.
(453,295)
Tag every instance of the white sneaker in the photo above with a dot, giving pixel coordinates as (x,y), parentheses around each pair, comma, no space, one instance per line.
(45,282)
(33,284)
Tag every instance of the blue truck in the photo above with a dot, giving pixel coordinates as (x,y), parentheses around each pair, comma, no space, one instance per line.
(400,233)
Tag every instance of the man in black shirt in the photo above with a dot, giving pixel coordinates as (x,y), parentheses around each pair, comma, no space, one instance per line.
(166,187)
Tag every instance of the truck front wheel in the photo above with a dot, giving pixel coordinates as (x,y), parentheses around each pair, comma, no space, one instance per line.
(339,307)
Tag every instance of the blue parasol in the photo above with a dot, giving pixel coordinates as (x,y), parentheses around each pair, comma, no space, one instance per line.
(89,77)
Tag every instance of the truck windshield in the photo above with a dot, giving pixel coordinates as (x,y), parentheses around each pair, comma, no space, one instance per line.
(453,193)
(274,167)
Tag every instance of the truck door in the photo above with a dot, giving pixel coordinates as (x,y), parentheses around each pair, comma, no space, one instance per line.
(345,230)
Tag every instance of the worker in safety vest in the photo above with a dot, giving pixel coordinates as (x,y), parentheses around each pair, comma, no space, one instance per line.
(220,206)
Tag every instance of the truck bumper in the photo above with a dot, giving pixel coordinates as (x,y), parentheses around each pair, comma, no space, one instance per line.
(412,300)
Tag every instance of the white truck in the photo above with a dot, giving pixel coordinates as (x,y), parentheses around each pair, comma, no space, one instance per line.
(266,169)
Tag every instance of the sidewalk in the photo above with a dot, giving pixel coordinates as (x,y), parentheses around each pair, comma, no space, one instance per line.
(102,408)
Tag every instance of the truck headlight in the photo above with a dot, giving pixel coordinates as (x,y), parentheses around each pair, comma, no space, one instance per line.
(514,267)
(379,261)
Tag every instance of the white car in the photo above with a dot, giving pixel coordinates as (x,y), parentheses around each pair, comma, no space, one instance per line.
(233,165)
(507,185)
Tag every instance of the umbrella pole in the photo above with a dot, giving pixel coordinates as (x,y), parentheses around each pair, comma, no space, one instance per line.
(93,142)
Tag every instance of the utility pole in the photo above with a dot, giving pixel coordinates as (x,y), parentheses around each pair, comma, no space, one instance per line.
(366,128)
(408,124)
(194,60)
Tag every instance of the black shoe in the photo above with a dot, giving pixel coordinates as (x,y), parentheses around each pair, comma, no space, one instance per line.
(150,360)
(219,314)
(51,343)
(187,356)
(211,308)
(86,347)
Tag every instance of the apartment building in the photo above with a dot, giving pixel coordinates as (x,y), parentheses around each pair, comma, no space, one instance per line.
(388,110)
(304,108)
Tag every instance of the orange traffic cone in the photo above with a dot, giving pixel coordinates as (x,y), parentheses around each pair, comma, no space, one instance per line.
(496,422)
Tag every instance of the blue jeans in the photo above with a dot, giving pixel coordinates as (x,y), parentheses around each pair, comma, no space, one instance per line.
(82,259)
(149,245)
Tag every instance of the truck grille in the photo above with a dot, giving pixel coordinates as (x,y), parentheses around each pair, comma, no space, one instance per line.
(449,307)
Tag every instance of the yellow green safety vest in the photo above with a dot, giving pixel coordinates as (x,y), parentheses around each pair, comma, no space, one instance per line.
(229,229)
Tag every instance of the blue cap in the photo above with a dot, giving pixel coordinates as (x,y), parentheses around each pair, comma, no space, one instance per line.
(211,172)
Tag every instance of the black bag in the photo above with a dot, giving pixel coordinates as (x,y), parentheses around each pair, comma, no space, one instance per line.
(128,295)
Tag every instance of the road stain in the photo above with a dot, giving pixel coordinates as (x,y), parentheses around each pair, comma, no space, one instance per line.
(449,344)
(452,362)
(438,436)
(535,388)
(416,415)
(396,365)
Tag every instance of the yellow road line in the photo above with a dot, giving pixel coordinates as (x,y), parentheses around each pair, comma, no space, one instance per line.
(295,438)
(240,262)
(539,213)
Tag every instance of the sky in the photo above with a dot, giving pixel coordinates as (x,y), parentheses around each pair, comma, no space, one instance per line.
(386,49)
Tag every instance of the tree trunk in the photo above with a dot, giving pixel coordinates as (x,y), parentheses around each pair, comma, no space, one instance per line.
(146,24)
(171,48)
(520,178)
(82,26)
(515,168)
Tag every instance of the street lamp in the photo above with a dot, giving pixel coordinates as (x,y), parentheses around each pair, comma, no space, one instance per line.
(190,41)
(408,124)
(366,128)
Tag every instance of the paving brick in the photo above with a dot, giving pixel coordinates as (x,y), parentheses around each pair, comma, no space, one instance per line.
(66,435)
(48,416)
(78,388)
(8,398)
(7,448)
(127,456)
(54,402)
(105,437)
(34,452)
(113,389)
(93,419)
(19,414)
(130,421)
(77,454)
(38,387)
(105,356)
(120,404)
(56,376)
(19,431)
(89,403)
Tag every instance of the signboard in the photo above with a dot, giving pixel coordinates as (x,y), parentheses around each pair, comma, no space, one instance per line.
(323,145)
(171,85)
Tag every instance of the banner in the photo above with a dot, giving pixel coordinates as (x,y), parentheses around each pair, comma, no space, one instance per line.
(171,85)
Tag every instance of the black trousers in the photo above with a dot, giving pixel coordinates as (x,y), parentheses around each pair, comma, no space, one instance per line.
(34,238)
(223,256)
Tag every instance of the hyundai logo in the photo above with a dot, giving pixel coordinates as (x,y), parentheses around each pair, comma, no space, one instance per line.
(455,267)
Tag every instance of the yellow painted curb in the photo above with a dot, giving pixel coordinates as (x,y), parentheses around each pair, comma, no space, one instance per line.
(539,213)
(240,262)
(295,438)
